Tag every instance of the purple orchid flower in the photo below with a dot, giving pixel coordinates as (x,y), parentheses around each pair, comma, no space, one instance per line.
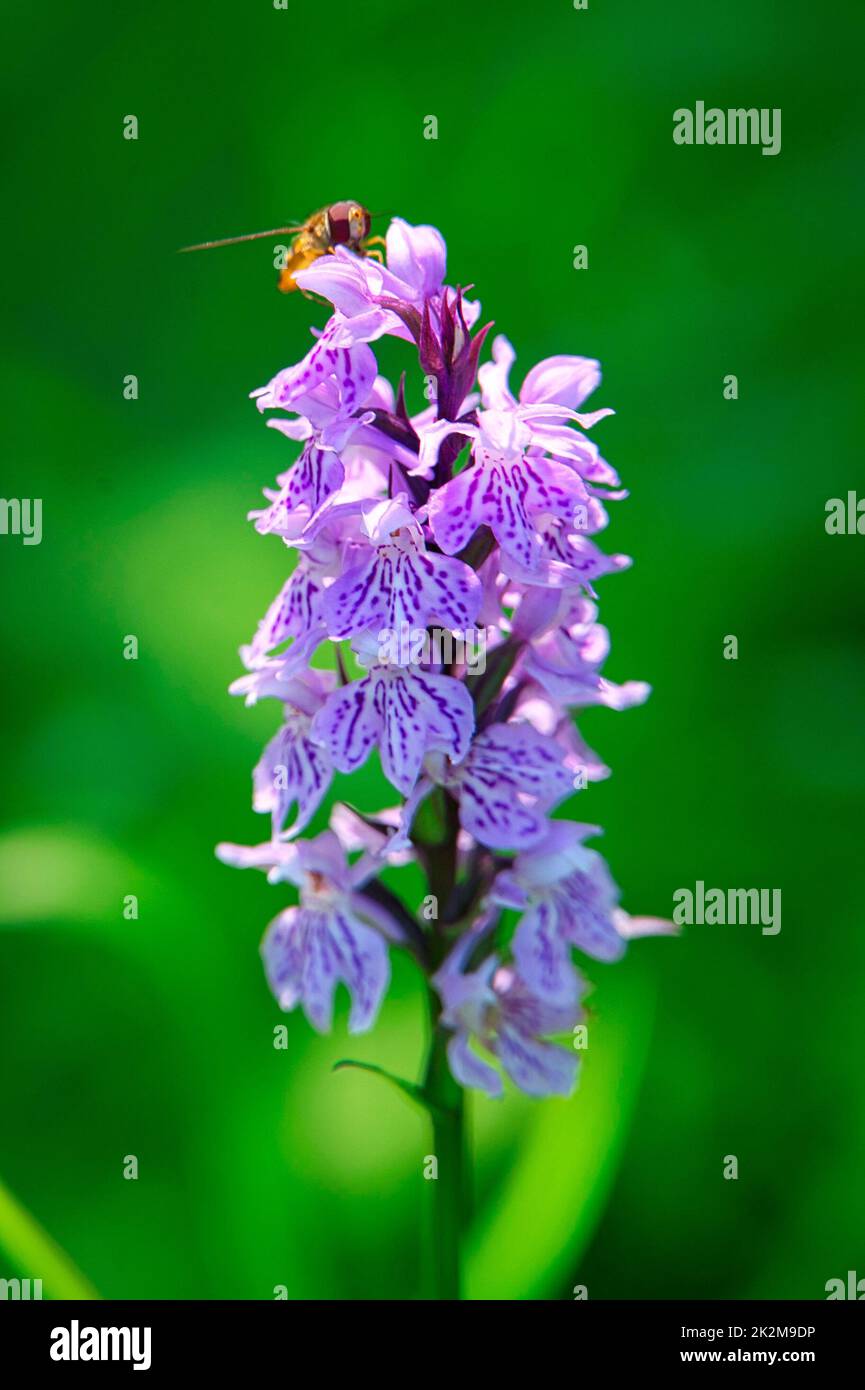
(557,381)
(568,899)
(476,513)
(493,1006)
(293,769)
(338,445)
(509,486)
(298,609)
(345,376)
(567,658)
(567,558)
(398,585)
(404,711)
(510,778)
(335,934)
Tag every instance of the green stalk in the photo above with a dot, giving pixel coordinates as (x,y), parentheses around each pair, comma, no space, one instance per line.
(435,836)
(450,1187)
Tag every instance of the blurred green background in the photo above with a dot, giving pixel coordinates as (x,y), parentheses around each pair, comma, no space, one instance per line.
(154,1037)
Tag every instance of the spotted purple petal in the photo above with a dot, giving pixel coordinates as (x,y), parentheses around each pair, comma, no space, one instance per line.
(292,769)
(423,714)
(407,713)
(307,952)
(403,588)
(469,1070)
(538,1068)
(352,370)
(297,609)
(511,776)
(317,475)
(506,495)
(542,953)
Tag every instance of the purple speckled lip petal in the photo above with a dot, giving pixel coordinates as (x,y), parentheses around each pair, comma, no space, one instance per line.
(537,1068)
(484,495)
(496,818)
(297,609)
(423,713)
(309,949)
(511,777)
(351,371)
(292,770)
(350,723)
(405,713)
(363,965)
(572,902)
(403,589)
(542,955)
(317,475)
(587,911)
(469,1070)
(282,953)
(509,496)
(497,1007)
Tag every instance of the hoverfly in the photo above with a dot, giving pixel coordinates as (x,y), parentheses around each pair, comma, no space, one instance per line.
(340,224)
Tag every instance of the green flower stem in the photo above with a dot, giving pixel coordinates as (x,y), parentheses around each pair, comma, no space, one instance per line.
(435,837)
(450,1187)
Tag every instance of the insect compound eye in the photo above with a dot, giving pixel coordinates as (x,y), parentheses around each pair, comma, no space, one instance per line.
(339,223)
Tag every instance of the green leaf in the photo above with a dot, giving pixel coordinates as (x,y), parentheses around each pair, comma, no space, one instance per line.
(32,1250)
(409,1088)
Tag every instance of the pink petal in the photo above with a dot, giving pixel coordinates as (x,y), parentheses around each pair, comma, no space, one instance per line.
(539,1069)
(469,1070)
(563,380)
